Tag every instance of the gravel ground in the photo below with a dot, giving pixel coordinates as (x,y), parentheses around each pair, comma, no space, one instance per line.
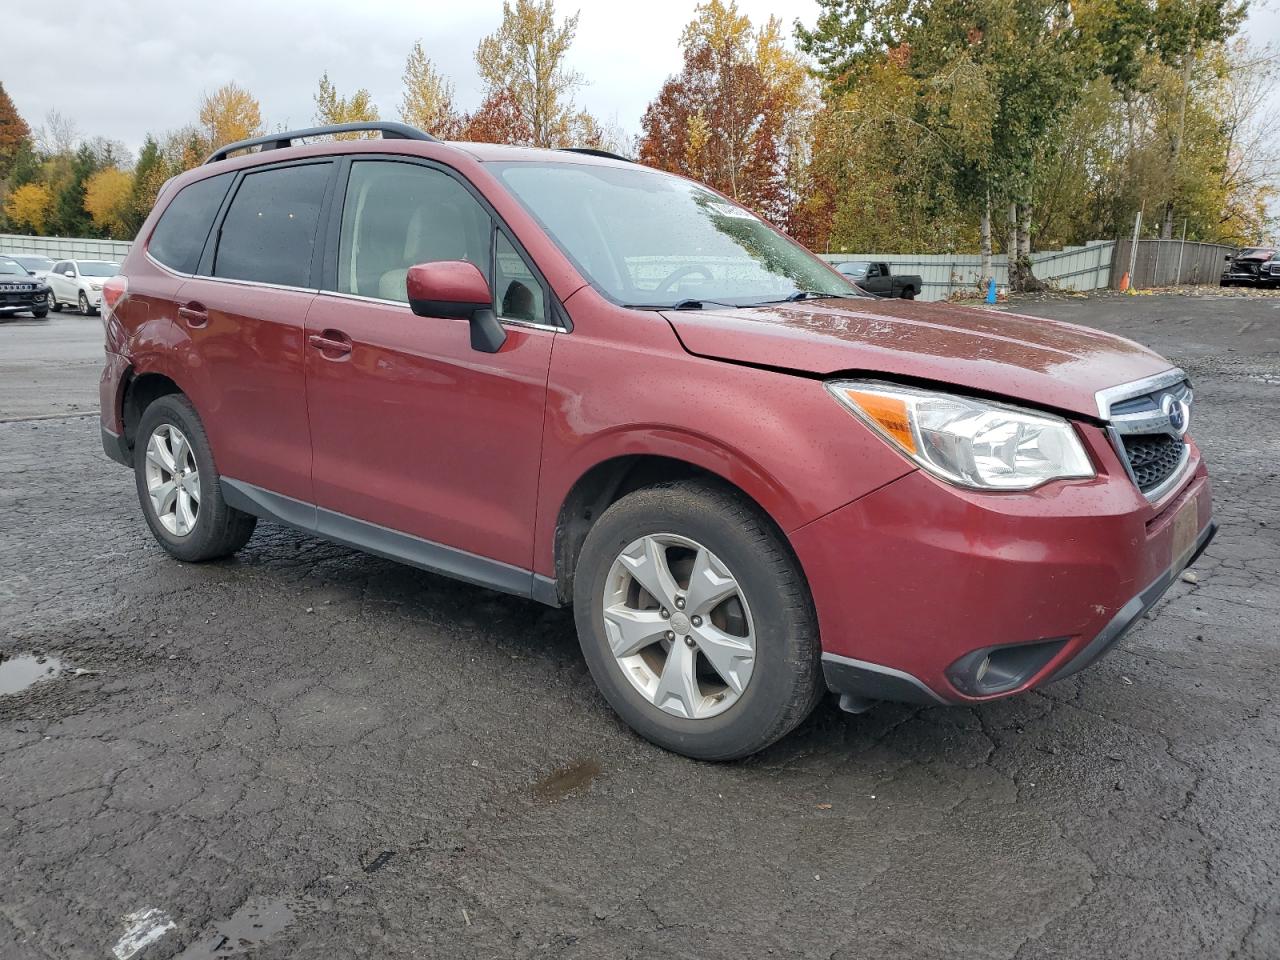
(307,752)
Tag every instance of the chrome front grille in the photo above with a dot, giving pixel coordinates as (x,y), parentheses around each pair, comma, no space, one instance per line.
(1153,458)
(1147,422)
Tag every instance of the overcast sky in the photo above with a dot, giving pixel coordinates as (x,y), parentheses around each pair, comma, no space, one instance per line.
(126,67)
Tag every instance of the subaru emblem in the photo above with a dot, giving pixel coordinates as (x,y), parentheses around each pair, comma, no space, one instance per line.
(1176,411)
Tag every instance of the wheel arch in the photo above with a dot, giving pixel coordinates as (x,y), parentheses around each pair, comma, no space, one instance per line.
(608,481)
(140,391)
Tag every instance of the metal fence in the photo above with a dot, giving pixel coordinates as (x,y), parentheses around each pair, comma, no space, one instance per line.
(1071,268)
(1163,263)
(65,248)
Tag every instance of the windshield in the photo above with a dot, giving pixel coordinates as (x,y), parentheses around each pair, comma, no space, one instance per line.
(97,268)
(647,239)
(855,268)
(11,268)
(35,263)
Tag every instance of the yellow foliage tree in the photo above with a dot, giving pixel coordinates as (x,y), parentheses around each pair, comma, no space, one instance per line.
(229,114)
(107,197)
(428,97)
(29,206)
(525,57)
(331,108)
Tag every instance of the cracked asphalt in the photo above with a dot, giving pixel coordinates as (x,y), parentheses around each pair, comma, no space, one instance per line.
(306,752)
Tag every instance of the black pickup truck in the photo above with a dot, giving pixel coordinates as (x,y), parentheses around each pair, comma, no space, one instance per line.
(21,291)
(1248,267)
(878,279)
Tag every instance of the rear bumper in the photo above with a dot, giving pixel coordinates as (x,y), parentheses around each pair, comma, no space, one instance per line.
(930,594)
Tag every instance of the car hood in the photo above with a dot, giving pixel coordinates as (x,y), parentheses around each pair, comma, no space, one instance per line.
(1045,362)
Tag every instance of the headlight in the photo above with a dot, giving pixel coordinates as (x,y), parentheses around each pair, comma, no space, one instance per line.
(971,443)
(95,286)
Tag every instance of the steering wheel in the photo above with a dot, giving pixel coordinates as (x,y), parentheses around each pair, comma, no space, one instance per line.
(680,273)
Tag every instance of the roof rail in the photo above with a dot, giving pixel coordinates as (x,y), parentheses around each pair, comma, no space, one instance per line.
(278,141)
(593,152)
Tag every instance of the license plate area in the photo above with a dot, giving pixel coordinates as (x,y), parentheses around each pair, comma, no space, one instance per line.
(1184,531)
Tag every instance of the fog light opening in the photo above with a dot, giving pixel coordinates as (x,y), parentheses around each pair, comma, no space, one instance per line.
(995,670)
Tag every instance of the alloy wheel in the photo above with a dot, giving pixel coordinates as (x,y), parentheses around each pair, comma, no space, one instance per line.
(678,623)
(173,479)
(84,304)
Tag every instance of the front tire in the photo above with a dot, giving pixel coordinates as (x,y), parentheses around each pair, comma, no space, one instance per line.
(40,314)
(85,309)
(179,487)
(695,621)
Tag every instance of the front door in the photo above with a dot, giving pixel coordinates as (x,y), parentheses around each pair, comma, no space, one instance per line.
(413,430)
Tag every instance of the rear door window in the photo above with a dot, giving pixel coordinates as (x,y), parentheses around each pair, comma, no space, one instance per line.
(269,232)
(179,237)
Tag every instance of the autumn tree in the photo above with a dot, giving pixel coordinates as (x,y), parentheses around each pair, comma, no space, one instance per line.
(525,58)
(29,206)
(15,135)
(229,114)
(332,108)
(499,119)
(427,102)
(106,198)
(728,117)
(149,175)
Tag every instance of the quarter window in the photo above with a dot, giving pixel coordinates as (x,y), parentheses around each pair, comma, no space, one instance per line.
(518,292)
(269,232)
(179,237)
(400,214)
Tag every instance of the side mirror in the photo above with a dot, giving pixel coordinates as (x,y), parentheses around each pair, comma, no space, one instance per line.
(457,288)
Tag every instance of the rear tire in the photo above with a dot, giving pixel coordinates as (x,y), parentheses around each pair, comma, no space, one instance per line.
(213,529)
(908,293)
(783,673)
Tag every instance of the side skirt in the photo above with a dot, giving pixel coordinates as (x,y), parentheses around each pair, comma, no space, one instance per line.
(391,544)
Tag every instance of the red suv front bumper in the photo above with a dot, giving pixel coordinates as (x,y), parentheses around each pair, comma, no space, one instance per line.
(929,593)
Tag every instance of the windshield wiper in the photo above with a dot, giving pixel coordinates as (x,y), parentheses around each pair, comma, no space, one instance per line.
(818,295)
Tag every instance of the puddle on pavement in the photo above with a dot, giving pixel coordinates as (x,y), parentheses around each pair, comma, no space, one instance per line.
(561,782)
(258,920)
(18,673)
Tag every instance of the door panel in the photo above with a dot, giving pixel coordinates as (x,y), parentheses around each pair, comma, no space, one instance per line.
(414,430)
(249,348)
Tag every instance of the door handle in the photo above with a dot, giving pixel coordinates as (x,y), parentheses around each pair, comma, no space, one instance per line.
(332,344)
(194,313)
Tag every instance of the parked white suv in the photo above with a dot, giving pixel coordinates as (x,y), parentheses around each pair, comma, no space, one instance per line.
(79,283)
(35,264)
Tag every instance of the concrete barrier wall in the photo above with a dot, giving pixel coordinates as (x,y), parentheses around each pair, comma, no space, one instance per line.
(65,248)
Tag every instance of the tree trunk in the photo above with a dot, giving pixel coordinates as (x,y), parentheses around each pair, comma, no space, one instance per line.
(985,279)
(1175,150)
(1026,278)
(1011,248)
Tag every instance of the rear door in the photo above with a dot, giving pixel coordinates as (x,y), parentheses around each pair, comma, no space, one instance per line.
(243,315)
(412,429)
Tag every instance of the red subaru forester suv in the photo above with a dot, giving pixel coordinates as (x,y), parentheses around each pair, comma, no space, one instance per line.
(575,379)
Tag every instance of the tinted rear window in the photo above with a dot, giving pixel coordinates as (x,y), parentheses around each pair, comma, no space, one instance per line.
(184,226)
(269,232)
